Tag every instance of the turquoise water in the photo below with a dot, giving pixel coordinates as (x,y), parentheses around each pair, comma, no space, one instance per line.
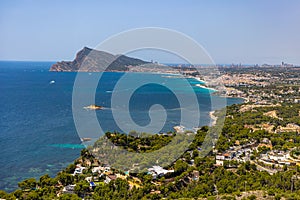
(37,131)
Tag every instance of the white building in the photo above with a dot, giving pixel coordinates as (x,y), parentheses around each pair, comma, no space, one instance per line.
(219,162)
(78,170)
(220,157)
(158,171)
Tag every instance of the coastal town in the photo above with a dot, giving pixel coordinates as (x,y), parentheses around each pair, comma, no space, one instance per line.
(265,84)
(258,84)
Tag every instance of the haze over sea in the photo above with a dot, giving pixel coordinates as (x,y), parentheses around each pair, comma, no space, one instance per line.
(37,132)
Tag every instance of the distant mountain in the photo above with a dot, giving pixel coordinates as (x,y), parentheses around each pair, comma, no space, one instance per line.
(90,60)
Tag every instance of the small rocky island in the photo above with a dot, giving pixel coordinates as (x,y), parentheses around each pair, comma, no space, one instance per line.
(93,107)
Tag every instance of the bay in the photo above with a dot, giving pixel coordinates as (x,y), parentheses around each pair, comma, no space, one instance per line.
(37,131)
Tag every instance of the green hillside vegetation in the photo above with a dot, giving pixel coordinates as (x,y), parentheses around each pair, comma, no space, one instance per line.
(231,181)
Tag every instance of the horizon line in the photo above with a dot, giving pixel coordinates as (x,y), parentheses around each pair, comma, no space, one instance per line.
(170,63)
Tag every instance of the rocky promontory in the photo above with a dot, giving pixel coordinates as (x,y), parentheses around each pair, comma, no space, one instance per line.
(90,60)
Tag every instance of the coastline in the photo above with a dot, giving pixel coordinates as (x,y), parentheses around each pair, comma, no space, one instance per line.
(212,113)
(246,100)
(45,76)
(204,87)
(213,118)
(198,79)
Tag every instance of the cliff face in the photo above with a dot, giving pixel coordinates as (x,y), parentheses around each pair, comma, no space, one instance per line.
(90,60)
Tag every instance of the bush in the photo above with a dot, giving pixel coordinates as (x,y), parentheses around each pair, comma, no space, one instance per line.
(252,197)
(69,197)
(228,197)
(277,197)
(271,192)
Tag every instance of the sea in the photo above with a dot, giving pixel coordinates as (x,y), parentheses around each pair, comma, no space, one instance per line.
(37,131)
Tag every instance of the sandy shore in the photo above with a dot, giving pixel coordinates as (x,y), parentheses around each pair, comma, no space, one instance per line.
(213,118)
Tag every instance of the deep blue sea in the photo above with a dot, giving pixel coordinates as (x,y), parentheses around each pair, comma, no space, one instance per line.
(37,131)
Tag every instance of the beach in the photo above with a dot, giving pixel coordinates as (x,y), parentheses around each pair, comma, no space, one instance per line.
(213,118)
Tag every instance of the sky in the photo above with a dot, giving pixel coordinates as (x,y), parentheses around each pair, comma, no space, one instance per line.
(232,31)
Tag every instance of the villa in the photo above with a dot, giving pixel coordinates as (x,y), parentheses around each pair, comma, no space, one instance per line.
(157,171)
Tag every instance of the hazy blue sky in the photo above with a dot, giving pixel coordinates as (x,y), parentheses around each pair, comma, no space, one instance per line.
(257,31)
